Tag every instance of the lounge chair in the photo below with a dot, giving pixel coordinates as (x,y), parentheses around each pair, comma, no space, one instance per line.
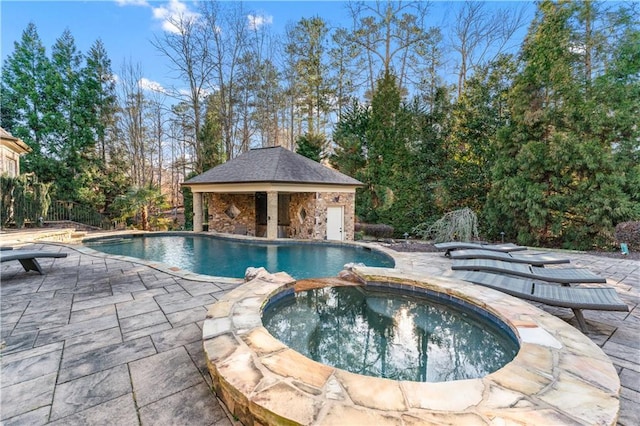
(461,245)
(575,298)
(539,259)
(28,258)
(556,275)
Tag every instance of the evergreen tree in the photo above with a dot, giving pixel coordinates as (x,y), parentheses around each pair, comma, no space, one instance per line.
(555,180)
(23,101)
(476,117)
(307,48)
(210,138)
(72,141)
(395,149)
(311,146)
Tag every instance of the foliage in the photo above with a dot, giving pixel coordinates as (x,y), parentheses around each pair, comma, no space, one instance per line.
(140,204)
(24,198)
(311,146)
(42,201)
(376,230)
(471,143)
(396,150)
(187,198)
(61,109)
(457,225)
(20,202)
(7,186)
(629,233)
(555,179)
(307,49)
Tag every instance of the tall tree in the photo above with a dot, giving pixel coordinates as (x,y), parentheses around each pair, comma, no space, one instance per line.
(391,35)
(71,119)
(227,24)
(97,94)
(131,122)
(188,47)
(342,55)
(23,101)
(476,117)
(555,180)
(480,35)
(307,47)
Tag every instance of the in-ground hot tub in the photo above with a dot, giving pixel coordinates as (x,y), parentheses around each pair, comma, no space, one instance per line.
(557,376)
(391,331)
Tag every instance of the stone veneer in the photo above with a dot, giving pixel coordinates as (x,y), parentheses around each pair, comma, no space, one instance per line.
(219,221)
(313,226)
(559,376)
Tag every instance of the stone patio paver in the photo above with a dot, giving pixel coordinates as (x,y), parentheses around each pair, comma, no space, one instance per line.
(120,342)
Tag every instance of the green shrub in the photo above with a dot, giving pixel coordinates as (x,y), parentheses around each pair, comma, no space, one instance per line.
(375,230)
(457,225)
(629,233)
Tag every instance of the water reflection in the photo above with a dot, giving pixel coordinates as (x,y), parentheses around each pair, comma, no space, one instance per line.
(389,335)
(227,258)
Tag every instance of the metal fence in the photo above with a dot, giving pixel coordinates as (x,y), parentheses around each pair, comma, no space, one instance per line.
(63,210)
(66,211)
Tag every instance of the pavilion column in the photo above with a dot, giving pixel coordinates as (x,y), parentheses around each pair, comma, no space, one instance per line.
(272,215)
(197,211)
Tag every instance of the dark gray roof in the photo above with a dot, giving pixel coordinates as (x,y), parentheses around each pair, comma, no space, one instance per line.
(275,164)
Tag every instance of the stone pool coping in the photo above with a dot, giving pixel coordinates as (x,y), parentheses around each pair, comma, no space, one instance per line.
(558,377)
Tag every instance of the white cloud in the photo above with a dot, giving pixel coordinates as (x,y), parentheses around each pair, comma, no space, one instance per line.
(172,12)
(132,2)
(146,84)
(257,21)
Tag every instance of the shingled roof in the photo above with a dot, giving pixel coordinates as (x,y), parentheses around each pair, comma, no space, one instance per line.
(274,164)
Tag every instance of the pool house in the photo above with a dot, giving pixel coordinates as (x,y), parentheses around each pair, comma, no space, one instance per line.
(275,193)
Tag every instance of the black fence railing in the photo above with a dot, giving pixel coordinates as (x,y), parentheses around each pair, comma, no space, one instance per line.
(63,211)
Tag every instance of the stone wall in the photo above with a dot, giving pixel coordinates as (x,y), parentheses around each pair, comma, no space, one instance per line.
(233,213)
(302,214)
(328,199)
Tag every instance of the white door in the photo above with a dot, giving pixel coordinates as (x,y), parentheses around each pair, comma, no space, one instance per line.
(335,219)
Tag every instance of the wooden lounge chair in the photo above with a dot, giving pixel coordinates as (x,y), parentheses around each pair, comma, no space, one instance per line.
(575,298)
(556,275)
(461,245)
(538,259)
(28,258)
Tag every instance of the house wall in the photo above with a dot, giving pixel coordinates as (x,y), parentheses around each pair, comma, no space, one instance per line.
(344,199)
(232,213)
(303,224)
(312,224)
(9,162)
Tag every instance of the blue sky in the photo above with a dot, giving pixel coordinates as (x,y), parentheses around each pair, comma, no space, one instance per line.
(126,27)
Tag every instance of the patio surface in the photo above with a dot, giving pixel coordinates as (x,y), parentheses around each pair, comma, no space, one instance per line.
(99,340)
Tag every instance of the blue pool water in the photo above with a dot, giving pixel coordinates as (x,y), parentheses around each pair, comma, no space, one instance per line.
(390,333)
(230,258)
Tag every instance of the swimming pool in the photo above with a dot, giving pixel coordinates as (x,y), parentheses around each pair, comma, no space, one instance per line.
(222,257)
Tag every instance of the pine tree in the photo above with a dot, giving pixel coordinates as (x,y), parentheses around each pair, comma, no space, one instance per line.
(24,79)
(311,146)
(555,180)
(476,117)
